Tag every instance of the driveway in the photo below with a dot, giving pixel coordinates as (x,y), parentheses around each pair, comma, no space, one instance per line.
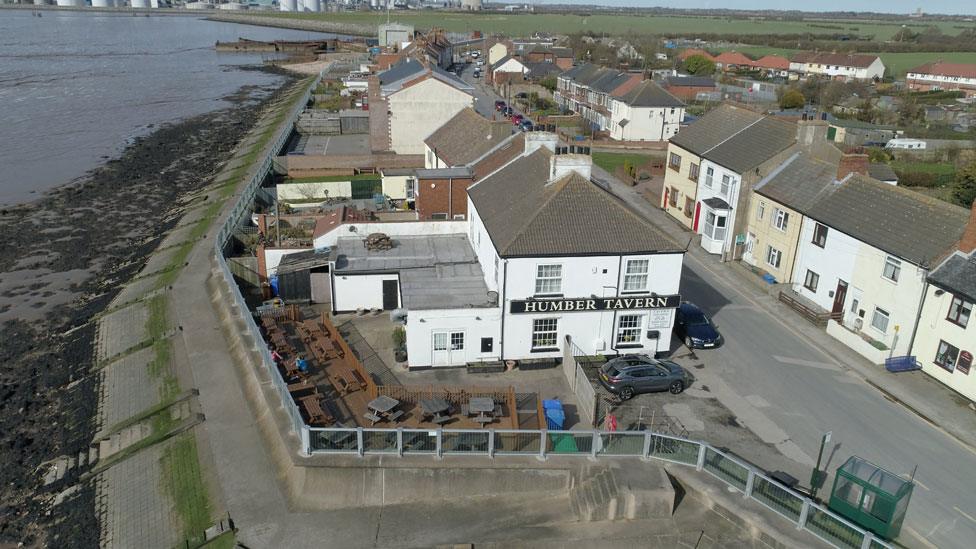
(778,380)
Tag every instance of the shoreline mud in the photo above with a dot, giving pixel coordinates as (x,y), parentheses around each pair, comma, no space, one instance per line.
(65,257)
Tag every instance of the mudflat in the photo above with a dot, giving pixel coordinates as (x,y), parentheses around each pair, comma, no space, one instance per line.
(63,259)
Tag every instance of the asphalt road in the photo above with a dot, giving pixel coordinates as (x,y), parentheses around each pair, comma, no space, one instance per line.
(485,96)
(789,392)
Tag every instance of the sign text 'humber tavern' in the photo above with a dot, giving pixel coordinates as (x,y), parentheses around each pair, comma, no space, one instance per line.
(595,304)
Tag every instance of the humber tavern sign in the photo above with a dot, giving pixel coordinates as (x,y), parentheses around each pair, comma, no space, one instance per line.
(595,304)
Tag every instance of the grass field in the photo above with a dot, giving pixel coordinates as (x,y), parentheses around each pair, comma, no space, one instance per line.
(611,161)
(526,24)
(896,64)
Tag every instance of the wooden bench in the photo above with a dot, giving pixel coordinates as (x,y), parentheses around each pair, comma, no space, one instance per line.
(341,386)
(395,415)
(440,420)
(313,408)
(360,379)
(297,389)
(373,418)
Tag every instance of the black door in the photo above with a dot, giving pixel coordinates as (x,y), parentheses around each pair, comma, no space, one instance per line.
(390,294)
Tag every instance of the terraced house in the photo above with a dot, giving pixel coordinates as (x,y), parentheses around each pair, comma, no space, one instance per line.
(589,90)
(838,65)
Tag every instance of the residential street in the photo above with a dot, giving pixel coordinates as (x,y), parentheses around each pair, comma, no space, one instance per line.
(774,376)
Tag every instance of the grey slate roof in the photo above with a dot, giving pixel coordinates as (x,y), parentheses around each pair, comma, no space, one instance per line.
(649,94)
(409,69)
(903,223)
(717,203)
(957,274)
(541,69)
(737,138)
(882,172)
(714,127)
(912,226)
(467,136)
(404,69)
(598,78)
(690,81)
(443,173)
(525,215)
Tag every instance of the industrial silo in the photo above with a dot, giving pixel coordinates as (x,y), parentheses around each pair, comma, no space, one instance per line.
(71,3)
(312,5)
(289,5)
(103,3)
(143,4)
(472,5)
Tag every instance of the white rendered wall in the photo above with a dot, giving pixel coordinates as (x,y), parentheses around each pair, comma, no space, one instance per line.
(393,228)
(417,110)
(360,291)
(475,323)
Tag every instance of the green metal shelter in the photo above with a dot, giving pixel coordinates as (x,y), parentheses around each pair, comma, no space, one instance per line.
(871,497)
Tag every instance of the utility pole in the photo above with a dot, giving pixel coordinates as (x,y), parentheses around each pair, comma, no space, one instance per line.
(818,477)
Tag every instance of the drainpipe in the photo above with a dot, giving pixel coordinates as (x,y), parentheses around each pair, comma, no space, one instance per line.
(501,301)
(918,315)
(450,198)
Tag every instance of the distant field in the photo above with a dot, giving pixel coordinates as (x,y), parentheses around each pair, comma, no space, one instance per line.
(526,24)
(897,63)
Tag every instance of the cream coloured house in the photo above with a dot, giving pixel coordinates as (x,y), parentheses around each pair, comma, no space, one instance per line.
(680,184)
(945,339)
(496,52)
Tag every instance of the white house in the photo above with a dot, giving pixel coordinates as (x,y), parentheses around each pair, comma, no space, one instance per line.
(546,254)
(945,339)
(838,65)
(419,100)
(865,249)
(645,113)
(940,75)
(510,65)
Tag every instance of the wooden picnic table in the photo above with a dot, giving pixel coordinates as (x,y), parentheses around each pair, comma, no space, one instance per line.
(383,404)
(296,389)
(481,405)
(313,407)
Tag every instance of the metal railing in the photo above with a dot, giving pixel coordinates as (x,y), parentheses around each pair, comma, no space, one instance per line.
(490,443)
(751,482)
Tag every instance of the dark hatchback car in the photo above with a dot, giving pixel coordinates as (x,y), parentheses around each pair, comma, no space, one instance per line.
(630,375)
(695,328)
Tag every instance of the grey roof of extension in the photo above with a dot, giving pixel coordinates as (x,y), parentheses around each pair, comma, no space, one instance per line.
(649,94)
(406,68)
(526,215)
(736,138)
(957,274)
(882,172)
(598,78)
(436,271)
(467,136)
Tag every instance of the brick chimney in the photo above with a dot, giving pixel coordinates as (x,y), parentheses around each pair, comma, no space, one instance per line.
(968,241)
(852,163)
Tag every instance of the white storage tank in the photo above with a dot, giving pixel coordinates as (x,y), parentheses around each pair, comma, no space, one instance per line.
(289,5)
(103,3)
(312,5)
(153,3)
(143,4)
(232,6)
(71,3)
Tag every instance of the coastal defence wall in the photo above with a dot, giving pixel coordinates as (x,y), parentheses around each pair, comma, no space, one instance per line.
(316,25)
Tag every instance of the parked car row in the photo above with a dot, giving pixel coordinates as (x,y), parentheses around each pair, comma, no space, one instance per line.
(517,119)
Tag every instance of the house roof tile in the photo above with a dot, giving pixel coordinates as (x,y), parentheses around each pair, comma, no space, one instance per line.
(467,136)
(649,94)
(941,68)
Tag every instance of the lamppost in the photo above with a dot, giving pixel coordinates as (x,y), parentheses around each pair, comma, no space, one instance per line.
(818,477)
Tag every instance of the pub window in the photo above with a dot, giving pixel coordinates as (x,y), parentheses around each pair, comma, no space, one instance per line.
(548,279)
(811,281)
(959,311)
(674,162)
(457,341)
(947,355)
(544,333)
(635,275)
(820,235)
(892,269)
(629,329)
(880,320)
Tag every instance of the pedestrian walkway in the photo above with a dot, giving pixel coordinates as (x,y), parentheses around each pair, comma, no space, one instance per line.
(916,391)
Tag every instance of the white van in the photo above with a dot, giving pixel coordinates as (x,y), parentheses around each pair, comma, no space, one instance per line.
(902,143)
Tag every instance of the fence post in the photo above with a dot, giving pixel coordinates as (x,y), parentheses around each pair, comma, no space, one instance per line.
(868,538)
(701,457)
(749,482)
(399,441)
(542,445)
(359,441)
(440,449)
(804,511)
(594,444)
(646,452)
(491,443)
(306,445)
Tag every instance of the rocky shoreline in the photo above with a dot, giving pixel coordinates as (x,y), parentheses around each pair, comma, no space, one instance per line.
(65,257)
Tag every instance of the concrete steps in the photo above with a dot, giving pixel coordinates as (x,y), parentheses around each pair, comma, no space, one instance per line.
(595,496)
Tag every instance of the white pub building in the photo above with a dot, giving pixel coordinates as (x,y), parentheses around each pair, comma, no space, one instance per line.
(546,254)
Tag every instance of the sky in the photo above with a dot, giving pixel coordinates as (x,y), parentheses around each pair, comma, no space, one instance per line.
(965,7)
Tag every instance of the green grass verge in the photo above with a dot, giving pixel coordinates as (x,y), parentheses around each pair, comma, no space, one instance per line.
(611,161)
(184,483)
(937,168)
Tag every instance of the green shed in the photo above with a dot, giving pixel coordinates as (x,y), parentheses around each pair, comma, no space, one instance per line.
(871,497)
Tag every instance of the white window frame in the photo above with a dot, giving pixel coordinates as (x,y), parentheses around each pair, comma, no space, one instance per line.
(630,330)
(780,219)
(761,210)
(548,278)
(815,278)
(709,176)
(779,256)
(546,331)
(726,185)
(634,280)
(880,313)
(411,188)
(895,264)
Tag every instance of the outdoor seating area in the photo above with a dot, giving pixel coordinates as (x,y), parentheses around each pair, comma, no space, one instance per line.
(332,388)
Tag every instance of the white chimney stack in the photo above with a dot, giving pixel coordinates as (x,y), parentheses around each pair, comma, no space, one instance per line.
(536,140)
(562,164)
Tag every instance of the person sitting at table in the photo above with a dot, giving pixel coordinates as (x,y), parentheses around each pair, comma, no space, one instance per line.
(275,357)
(301,364)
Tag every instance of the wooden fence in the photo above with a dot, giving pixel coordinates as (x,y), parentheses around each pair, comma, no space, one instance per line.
(818,317)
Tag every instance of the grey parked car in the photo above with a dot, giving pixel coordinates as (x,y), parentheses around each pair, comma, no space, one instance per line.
(630,375)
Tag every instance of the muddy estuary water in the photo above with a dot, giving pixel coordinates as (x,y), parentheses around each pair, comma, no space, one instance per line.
(150,96)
